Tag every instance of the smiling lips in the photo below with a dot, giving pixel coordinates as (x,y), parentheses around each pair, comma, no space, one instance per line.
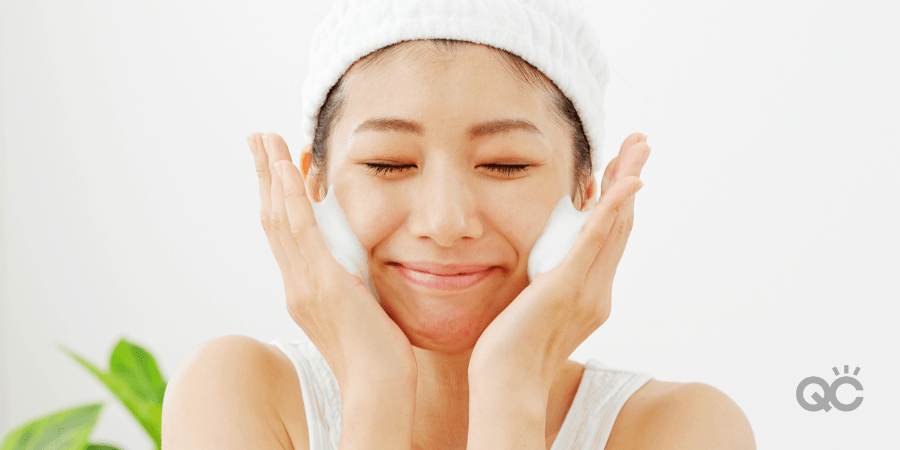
(449,277)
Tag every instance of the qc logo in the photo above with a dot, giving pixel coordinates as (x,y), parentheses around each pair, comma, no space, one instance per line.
(830,392)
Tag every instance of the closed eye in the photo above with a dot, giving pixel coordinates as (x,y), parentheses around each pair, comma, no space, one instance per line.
(508,169)
(505,169)
(379,169)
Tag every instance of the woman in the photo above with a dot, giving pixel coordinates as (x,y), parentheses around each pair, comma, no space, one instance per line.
(447,157)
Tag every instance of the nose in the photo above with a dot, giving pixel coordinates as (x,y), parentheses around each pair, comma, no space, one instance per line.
(445,206)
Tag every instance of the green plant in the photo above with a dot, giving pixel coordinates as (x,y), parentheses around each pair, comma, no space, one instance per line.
(133,377)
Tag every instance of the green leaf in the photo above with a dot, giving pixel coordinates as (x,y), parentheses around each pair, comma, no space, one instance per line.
(66,430)
(136,364)
(135,379)
(101,447)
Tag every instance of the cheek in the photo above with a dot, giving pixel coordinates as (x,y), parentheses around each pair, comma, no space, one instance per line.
(521,223)
(520,215)
(373,214)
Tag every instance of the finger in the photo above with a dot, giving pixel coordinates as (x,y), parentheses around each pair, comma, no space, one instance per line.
(595,232)
(631,160)
(612,171)
(629,163)
(276,148)
(607,180)
(283,229)
(604,267)
(252,143)
(303,262)
(632,139)
(260,160)
(635,157)
(302,230)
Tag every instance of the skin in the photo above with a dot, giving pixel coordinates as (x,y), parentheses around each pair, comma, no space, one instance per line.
(484,368)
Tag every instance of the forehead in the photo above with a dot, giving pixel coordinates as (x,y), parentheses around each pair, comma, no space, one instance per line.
(431,58)
(445,90)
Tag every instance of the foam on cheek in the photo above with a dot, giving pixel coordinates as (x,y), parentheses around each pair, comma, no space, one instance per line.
(343,244)
(557,239)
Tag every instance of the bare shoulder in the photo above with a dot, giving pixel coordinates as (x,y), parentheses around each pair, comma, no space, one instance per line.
(233,392)
(663,415)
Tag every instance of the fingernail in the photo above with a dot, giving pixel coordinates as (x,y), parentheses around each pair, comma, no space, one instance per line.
(646,156)
(637,187)
(279,168)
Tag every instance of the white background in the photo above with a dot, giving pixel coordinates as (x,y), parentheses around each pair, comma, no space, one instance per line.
(764,249)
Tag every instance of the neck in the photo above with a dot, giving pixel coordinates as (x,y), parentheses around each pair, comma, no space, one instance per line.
(442,399)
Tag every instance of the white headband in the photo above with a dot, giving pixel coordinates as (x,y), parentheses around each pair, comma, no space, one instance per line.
(546,33)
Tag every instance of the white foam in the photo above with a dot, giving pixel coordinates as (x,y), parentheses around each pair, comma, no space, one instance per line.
(557,239)
(343,244)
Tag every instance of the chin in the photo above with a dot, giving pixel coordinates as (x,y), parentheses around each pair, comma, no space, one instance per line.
(435,324)
(442,338)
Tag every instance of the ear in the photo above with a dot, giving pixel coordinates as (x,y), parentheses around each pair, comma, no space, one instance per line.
(590,195)
(311,177)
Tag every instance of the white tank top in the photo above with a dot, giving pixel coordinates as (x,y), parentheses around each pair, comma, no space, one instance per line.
(600,396)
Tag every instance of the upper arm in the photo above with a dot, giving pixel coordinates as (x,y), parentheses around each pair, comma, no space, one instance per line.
(696,416)
(225,395)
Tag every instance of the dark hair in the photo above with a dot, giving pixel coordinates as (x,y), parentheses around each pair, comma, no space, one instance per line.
(563,108)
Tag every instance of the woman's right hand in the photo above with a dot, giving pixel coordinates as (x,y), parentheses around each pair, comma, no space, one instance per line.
(363,346)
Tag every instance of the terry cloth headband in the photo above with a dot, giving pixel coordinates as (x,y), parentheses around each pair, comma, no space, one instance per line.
(549,34)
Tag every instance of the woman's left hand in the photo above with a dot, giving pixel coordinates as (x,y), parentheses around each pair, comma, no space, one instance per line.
(527,344)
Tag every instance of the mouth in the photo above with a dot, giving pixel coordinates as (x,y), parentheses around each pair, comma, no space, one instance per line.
(445,282)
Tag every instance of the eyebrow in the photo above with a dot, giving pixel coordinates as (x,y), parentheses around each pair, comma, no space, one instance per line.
(388,124)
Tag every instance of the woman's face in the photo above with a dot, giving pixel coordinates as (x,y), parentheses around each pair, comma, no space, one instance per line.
(449,201)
